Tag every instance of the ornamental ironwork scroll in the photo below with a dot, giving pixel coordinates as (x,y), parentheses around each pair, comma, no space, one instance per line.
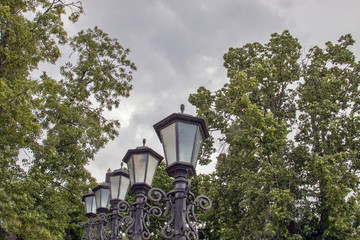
(121,220)
(191,222)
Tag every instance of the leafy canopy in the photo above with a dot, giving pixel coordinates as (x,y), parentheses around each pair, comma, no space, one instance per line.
(57,124)
(291,122)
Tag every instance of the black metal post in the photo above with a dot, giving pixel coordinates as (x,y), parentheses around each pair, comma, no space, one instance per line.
(180,185)
(139,205)
(102,217)
(89,227)
(114,221)
(100,230)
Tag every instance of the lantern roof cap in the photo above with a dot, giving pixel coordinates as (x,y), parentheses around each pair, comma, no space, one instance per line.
(91,193)
(101,185)
(142,150)
(182,117)
(119,171)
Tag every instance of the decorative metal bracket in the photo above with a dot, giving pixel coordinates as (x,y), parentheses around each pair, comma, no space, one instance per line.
(106,226)
(89,229)
(180,208)
(188,220)
(142,230)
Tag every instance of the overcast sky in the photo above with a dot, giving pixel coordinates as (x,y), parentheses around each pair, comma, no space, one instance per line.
(178,46)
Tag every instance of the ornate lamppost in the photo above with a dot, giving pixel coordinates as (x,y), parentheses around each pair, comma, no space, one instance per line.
(119,186)
(142,163)
(182,136)
(90,213)
(102,196)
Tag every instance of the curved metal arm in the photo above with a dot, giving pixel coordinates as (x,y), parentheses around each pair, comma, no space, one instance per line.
(205,204)
(123,206)
(180,197)
(156,195)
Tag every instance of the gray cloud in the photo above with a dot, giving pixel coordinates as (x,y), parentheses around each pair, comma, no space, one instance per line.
(178,46)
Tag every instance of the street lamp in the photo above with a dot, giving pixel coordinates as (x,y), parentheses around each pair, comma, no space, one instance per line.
(102,197)
(119,187)
(90,213)
(182,136)
(90,204)
(142,163)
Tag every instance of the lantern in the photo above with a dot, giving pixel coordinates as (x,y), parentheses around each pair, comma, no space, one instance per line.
(182,136)
(90,204)
(102,197)
(119,185)
(142,163)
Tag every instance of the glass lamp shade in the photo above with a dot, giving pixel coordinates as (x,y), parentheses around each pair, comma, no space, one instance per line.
(142,163)
(182,136)
(90,204)
(119,185)
(102,197)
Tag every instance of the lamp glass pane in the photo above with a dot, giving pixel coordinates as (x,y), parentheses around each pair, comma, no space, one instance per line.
(152,165)
(105,194)
(98,198)
(114,186)
(124,187)
(108,205)
(198,142)
(187,133)
(168,136)
(140,167)
(131,170)
(93,205)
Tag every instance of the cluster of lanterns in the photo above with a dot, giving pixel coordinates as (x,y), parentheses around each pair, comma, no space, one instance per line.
(182,136)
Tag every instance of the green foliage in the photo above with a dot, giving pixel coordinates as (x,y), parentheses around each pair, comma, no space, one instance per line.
(59,123)
(291,124)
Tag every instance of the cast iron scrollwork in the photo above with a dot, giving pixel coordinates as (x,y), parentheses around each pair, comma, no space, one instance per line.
(156,195)
(89,229)
(120,220)
(204,203)
(129,221)
(103,224)
(168,230)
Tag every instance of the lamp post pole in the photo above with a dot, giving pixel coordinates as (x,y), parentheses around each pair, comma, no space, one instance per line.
(102,196)
(180,207)
(119,185)
(89,225)
(140,201)
(90,213)
(100,225)
(182,136)
(114,221)
(142,163)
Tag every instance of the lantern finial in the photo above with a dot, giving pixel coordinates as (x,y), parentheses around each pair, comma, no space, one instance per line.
(182,108)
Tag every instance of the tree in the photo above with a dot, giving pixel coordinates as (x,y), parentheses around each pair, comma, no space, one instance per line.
(59,123)
(292,125)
